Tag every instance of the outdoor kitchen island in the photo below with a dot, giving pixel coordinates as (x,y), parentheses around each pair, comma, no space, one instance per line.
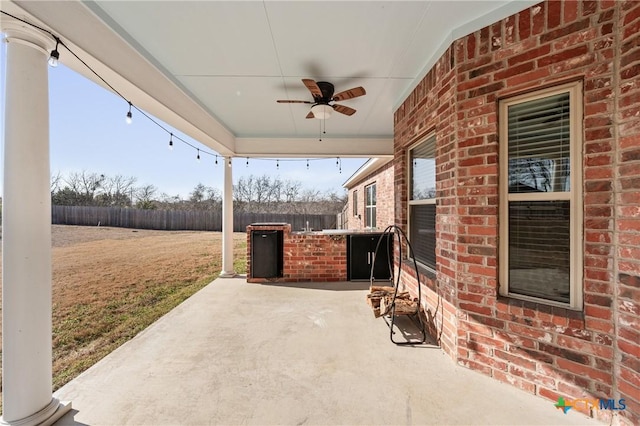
(277,254)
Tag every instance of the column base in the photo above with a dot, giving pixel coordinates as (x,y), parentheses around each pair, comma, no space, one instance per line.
(227,274)
(45,417)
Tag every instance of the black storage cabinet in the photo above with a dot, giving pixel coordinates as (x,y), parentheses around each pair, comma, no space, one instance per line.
(360,253)
(266,254)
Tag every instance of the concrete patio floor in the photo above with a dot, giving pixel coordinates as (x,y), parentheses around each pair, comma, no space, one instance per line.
(239,353)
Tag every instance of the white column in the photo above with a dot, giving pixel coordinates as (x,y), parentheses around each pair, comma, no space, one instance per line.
(26,234)
(227,221)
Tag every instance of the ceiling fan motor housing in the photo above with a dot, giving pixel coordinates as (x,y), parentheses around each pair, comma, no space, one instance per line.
(327,92)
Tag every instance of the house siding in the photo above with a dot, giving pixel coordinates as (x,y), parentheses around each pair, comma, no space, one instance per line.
(549,351)
(384,180)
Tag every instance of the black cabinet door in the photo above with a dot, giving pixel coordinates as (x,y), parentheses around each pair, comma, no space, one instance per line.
(381,269)
(361,257)
(264,248)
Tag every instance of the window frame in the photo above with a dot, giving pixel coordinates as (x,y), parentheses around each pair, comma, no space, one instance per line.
(574,195)
(369,208)
(426,201)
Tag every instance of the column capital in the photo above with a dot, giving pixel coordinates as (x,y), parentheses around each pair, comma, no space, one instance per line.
(19,32)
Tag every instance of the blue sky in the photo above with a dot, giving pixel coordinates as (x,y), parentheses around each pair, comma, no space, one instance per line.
(88,132)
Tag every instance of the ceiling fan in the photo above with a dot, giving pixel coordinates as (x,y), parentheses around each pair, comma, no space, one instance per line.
(322,92)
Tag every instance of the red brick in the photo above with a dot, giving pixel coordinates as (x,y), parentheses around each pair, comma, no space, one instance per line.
(562,56)
(554,14)
(584,370)
(529,55)
(538,15)
(570,10)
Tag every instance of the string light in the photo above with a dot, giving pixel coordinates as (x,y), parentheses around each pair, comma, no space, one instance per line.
(129,118)
(55,55)
(54,60)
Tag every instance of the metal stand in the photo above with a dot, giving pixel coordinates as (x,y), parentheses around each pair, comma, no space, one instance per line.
(415,317)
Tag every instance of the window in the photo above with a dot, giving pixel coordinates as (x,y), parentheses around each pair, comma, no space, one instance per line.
(355,202)
(370,206)
(540,193)
(422,201)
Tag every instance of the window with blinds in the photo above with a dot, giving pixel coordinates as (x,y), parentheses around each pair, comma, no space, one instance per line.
(422,201)
(355,202)
(370,206)
(538,135)
(540,207)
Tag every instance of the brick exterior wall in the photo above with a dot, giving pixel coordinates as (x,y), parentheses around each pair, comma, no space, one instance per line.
(549,351)
(384,180)
(307,256)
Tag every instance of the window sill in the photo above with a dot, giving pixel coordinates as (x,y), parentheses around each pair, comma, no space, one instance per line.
(423,270)
(507,303)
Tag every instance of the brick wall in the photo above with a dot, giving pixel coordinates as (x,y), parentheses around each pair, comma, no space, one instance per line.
(315,257)
(384,180)
(626,187)
(550,351)
(307,256)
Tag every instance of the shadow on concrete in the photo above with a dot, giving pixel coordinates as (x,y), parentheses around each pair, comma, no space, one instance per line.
(329,286)
(69,419)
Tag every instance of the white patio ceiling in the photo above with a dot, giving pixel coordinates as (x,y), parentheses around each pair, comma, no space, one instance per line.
(215,69)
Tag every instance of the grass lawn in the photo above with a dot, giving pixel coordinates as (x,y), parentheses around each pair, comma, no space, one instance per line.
(111,283)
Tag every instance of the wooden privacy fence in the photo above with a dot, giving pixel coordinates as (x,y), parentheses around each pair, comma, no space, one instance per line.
(178,220)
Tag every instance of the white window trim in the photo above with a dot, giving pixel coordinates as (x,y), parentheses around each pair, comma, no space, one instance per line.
(411,202)
(576,243)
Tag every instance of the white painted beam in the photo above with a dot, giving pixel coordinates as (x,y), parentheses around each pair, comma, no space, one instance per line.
(312,147)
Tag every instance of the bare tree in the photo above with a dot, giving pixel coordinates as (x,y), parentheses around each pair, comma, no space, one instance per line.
(81,188)
(56,182)
(205,198)
(145,197)
(117,191)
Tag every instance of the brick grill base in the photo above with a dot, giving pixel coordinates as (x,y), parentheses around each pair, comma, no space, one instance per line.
(308,256)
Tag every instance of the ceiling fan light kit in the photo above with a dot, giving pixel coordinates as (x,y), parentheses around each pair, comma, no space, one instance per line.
(321,112)
(322,92)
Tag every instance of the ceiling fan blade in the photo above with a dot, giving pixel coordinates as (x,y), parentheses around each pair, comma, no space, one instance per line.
(313,87)
(350,94)
(310,115)
(344,109)
(285,101)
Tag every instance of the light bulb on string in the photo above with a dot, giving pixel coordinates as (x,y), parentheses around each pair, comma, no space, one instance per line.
(278,164)
(55,55)
(247,164)
(307,164)
(229,162)
(198,156)
(171,142)
(129,118)
(216,160)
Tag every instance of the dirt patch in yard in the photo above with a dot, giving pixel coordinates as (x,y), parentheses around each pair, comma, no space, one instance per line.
(111,283)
